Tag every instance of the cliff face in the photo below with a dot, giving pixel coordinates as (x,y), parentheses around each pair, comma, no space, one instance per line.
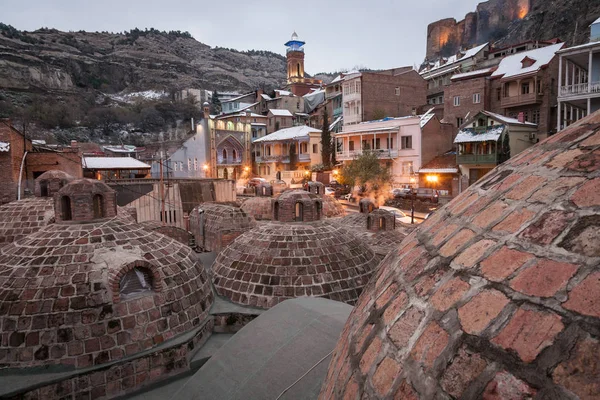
(51,60)
(506,22)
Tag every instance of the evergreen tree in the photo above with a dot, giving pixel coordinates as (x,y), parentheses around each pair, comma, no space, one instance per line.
(216,107)
(293,156)
(326,148)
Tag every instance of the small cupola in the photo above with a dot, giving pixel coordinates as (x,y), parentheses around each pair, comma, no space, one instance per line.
(297,206)
(366,206)
(50,182)
(264,189)
(85,200)
(381,220)
(316,188)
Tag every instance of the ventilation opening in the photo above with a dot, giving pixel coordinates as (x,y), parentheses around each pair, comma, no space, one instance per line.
(382,223)
(299,212)
(66,208)
(44,189)
(318,207)
(136,282)
(276,211)
(98,204)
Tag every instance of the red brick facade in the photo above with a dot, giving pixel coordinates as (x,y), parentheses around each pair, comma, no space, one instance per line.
(392,93)
(465,91)
(85,200)
(10,162)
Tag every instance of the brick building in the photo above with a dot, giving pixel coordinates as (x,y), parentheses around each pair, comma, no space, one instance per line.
(467,94)
(368,96)
(12,149)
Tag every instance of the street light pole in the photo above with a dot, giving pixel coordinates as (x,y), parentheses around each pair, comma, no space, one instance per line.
(413,194)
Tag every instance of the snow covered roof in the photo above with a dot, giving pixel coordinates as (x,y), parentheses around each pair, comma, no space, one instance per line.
(425,118)
(281,112)
(454,59)
(470,135)
(242,114)
(238,97)
(38,141)
(302,114)
(472,74)
(121,149)
(596,21)
(334,123)
(507,120)
(511,66)
(265,96)
(258,124)
(4,146)
(438,170)
(112,163)
(295,132)
(314,93)
(283,92)
(338,78)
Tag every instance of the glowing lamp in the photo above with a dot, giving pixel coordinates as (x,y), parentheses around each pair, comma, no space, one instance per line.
(431,178)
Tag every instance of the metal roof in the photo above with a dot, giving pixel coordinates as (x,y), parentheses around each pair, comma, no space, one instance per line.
(112,163)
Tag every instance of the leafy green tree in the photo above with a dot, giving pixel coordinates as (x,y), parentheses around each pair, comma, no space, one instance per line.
(216,107)
(326,147)
(367,172)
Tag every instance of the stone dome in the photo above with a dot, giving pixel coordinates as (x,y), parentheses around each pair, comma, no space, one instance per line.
(297,206)
(215,225)
(497,296)
(332,207)
(91,293)
(315,188)
(23,217)
(260,208)
(278,261)
(51,182)
(84,200)
(264,189)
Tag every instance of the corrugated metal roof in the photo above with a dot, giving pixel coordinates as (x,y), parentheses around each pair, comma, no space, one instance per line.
(112,163)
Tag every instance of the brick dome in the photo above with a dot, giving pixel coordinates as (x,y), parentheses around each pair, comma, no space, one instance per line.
(215,225)
(20,218)
(332,207)
(264,189)
(278,261)
(51,182)
(260,208)
(297,206)
(84,200)
(497,296)
(88,294)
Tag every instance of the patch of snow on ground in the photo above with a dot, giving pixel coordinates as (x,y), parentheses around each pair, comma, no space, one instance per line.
(145,95)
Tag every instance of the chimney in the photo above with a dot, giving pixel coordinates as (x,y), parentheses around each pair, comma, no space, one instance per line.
(74,144)
(521,117)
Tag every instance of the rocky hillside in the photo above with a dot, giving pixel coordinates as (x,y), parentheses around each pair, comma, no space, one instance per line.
(50,60)
(506,22)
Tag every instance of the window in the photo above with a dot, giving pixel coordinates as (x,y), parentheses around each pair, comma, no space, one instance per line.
(456,101)
(459,121)
(98,205)
(390,143)
(376,143)
(65,205)
(525,88)
(397,91)
(181,165)
(254,133)
(303,148)
(381,223)
(299,215)
(433,101)
(406,142)
(351,145)
(315,148)
(44,188)
(224,157)
(195,164)
(268,150)
(189,164)
(499,94)
(276,211)
(407,168)
(135,282)
(441,99)
(476,98)
(535,116)
(318,208)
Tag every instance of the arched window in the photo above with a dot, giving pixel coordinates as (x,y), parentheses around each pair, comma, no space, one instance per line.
(98,204)
(369,222)
(299,211)
(136,282)
(65,205)
(370,208)
(276,211)
(44,188)
(225,156)
(381,223)
(318,208)
(234,155)
(298,69)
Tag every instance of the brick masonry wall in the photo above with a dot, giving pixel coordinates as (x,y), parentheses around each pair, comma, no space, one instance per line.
(66,161)
(219,225)
(284,207)
(437,139)
(465,89)
(10,162)
(379,94)
(125,377)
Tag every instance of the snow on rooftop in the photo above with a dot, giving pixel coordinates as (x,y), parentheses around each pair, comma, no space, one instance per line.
(121,149)
(283,92)
(454,59)
(511,66)
(295,132)
(338,78)
(473,73)
(112,163)
(4,146)
(281,112)
(238,97)
(469,135)
(334,123)
(265,96)
(314,93)
(425,118)
(146,95)
(596,21)
(507,120)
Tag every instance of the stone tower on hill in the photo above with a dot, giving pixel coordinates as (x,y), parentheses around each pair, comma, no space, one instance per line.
(296,82)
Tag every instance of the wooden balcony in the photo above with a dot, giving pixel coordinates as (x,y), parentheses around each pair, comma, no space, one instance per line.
(521,100)
(352,154)
(477,159)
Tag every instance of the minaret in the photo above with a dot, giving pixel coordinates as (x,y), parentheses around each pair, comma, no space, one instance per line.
(295,59)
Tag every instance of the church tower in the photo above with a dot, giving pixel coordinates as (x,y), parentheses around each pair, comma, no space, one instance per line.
(295,59)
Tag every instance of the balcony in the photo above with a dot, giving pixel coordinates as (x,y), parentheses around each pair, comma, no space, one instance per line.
(304,157)
(338,111)
(580,89)
(229,161)
(477,159)
(521,100)
(352,154)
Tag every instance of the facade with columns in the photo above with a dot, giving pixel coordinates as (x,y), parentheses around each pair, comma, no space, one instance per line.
(579,80)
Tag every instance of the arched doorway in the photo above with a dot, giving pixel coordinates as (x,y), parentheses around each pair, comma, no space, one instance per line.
(98,204)
(65,205)
(44,189)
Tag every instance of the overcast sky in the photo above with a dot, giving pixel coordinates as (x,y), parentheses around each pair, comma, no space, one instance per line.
(375,34)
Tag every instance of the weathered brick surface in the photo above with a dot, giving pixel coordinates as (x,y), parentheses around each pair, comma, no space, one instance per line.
(502,286)
(385,375)
(61,292)
(259,208)
(174,232)
(81,194)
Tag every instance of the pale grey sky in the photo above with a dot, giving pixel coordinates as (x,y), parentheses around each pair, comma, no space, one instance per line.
(339,34)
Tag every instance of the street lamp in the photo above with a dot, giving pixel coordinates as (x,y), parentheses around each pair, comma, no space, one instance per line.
(205,168)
